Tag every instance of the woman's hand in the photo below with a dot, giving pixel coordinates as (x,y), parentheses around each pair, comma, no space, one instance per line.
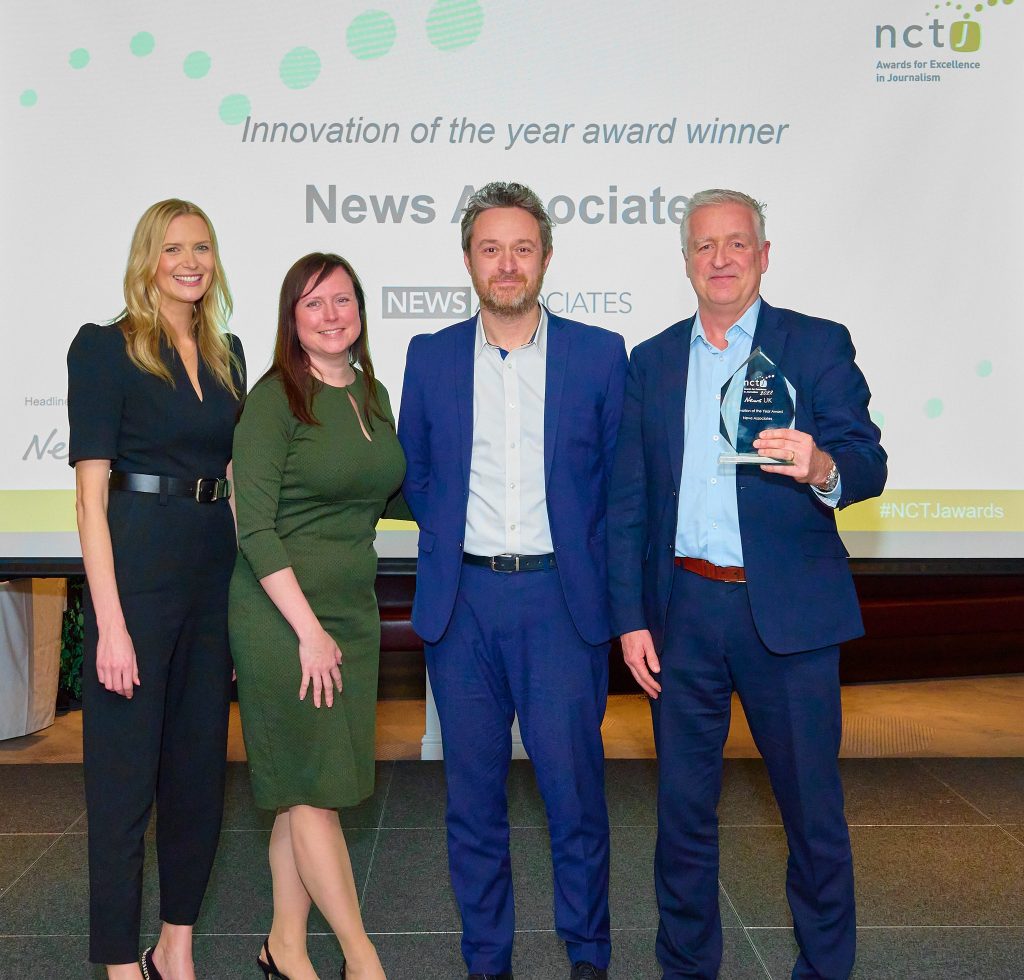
(319,655)
(320,659)
(116,666)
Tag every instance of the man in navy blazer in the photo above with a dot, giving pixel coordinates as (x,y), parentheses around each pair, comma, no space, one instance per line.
(734,578)
(508,422)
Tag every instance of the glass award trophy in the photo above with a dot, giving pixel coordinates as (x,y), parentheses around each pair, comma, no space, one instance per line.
(758,396)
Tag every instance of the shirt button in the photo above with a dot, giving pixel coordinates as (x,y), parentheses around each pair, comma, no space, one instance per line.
(508,366)
(714,524)
(511,404)
(512,445)
(713,481)
(714,438)
(511,527)
(512,486)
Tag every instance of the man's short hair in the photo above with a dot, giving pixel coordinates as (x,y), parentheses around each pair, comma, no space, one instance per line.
(719,196)
(505,194)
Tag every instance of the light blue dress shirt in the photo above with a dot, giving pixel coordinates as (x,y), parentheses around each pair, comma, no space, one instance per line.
(708,525)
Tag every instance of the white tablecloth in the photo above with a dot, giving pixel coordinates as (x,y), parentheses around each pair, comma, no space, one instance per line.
(30,619)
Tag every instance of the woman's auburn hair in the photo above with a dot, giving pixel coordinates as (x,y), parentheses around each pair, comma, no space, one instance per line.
(291,362)
(145,330)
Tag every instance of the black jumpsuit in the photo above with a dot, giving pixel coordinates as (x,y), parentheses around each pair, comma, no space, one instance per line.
(173,559)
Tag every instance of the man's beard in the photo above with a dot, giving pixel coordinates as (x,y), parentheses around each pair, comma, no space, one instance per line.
(508,304)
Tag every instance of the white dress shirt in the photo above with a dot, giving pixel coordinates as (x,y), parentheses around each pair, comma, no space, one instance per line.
(507,508)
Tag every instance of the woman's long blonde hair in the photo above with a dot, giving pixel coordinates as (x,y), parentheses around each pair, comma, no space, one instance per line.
(140,321)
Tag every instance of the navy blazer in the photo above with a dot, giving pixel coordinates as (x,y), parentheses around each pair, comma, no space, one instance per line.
(586,371)
(798,578)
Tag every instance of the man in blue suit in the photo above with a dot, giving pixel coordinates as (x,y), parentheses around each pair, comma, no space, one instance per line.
(727,578)
(508,422)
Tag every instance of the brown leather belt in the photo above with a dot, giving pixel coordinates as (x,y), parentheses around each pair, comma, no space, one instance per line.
(719,573)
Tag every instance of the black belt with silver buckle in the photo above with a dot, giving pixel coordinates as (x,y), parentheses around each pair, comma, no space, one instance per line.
(204,489)
(513,563)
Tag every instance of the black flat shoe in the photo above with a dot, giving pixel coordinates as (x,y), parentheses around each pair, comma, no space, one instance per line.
(269,967)
(149,970)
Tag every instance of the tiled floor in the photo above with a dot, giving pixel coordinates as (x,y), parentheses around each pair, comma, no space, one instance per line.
(934,794)
(938,846)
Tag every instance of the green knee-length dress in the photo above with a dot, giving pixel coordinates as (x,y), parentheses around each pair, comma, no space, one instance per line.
(309,497)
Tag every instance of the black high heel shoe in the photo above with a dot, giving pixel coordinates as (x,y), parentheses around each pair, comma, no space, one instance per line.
(149,970)
(270,967)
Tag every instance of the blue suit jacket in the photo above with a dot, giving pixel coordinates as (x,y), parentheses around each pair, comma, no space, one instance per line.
(586,369)
(798,578)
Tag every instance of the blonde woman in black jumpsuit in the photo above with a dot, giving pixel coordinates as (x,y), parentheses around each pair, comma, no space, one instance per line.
(153,399)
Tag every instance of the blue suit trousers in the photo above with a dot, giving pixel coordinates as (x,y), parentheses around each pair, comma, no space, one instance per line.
(792,704)
(511,648)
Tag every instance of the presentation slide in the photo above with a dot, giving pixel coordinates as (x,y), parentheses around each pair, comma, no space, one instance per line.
(884,136)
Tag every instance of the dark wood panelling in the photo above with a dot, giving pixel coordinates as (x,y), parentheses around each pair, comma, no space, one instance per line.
(916,625)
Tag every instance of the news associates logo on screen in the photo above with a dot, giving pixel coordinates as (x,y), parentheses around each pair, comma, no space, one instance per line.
(426,302)
(925,50)
(456,302)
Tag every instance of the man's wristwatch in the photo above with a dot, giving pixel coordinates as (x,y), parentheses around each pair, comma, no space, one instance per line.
(831,481)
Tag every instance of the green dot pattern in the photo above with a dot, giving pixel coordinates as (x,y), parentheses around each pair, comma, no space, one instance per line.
(78,58)
(234,109)
(196,64)
(984,368)
(370,35)
(454,24)
(300,67)
(29,98)
(933,408)
(142,44)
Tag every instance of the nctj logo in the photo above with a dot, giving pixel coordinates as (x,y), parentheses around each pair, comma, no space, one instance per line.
(963,35)
(425,302)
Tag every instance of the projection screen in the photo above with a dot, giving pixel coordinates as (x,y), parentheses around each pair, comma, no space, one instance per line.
(885,138)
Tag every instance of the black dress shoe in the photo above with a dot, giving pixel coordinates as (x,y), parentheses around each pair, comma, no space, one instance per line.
(587,971)
(149,970)
(269,967)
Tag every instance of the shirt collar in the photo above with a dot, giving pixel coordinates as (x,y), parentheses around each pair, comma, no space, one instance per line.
(538,339)
(746,324)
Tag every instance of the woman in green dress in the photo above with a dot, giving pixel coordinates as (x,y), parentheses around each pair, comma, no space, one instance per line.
(316,462)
